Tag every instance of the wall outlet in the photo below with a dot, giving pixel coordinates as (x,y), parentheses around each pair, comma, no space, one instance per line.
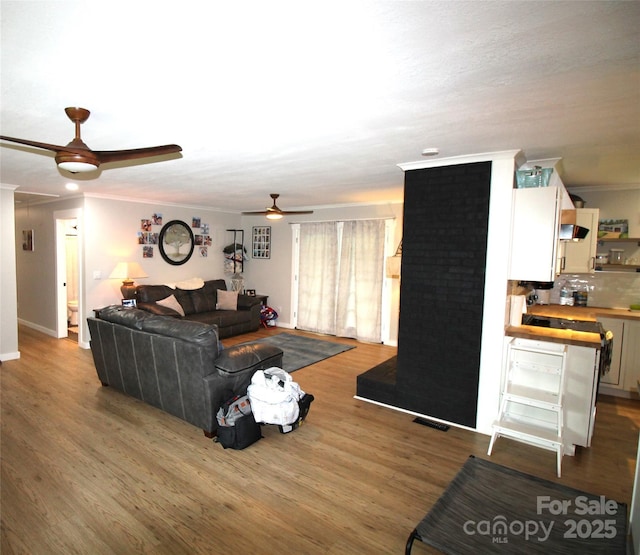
(97,274)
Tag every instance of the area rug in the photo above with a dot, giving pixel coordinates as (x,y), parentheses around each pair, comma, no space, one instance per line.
(300,351)
(489,508)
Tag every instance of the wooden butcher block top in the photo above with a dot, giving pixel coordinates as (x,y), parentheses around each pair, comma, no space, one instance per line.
(570,337)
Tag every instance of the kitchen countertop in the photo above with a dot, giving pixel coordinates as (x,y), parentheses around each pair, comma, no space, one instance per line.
(582,312)
(570,337)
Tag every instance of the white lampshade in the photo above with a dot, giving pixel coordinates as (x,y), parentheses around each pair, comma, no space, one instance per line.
(274,216)
(127,272)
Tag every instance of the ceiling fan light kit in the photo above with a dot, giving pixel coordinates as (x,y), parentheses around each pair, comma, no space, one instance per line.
(77,167)
(77,157)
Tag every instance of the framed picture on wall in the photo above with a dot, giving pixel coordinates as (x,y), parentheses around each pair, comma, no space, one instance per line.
(27,239)
(261,241)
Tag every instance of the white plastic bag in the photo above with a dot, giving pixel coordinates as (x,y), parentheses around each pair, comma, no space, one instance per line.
(274,397)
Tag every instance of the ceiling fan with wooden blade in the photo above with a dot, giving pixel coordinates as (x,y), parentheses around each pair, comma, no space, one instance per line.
(77,157)
(275,213)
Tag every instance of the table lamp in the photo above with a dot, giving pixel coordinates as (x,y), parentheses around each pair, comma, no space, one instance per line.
(127,272)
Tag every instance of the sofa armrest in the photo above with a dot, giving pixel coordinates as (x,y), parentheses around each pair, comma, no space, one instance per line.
(247,357)
(236,366)
(246,302)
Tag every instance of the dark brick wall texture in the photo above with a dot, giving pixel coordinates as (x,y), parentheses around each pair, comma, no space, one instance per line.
(444,245)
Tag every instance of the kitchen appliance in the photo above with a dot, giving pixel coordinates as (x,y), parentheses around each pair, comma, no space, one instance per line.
(562,323)
(544,296)
(606,337)
(572,232)
(543,291)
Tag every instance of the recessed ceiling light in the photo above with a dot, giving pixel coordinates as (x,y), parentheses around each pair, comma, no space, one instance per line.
(71,186)
(430,151)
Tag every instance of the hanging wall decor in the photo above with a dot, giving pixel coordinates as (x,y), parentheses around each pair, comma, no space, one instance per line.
(261,242)
(176,242)
(27,239)
(235,253)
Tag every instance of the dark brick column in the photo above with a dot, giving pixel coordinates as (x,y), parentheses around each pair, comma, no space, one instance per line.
(444,245)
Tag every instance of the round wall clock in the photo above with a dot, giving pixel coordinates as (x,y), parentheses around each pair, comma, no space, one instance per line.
(176,242)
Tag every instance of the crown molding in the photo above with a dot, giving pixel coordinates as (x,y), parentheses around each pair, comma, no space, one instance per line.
(602,188)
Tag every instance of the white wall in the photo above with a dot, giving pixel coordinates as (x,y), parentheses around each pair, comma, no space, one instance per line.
(622,203)
(36,270)
(109,235)
(8,298)
(273,276)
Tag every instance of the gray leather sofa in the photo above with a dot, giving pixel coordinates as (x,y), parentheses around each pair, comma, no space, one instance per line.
(199,305)
(173,364)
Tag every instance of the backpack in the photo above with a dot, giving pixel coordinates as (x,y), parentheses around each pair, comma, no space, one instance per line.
(237,427)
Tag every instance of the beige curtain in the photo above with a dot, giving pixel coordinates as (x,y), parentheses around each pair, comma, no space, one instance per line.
(318,256)
(341,271)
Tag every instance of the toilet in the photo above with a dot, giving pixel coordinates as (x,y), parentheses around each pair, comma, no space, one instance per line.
(72,306)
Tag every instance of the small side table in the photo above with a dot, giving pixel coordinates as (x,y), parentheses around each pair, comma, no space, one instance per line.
(263,299)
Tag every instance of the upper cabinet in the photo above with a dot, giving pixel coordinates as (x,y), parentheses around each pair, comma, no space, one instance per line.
(535,254)
(579,257)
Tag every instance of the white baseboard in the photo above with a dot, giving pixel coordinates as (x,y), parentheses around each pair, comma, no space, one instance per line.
(288,326)
(615,392)
(419,415)
(9,356)
(38,327)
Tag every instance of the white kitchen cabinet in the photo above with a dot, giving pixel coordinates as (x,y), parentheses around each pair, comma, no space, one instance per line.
(536,226)
(624,375)
(578,257)
(630,363)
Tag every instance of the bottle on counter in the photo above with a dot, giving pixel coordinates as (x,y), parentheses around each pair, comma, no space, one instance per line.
(581,295)
(566,294)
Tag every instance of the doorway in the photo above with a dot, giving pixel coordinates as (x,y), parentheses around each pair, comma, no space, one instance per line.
(69,285)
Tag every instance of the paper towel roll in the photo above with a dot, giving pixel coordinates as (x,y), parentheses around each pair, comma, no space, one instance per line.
(518,308)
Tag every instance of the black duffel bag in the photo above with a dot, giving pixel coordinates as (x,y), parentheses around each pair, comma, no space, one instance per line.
(237,428)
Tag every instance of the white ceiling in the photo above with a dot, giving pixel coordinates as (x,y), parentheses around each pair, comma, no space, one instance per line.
(316,101)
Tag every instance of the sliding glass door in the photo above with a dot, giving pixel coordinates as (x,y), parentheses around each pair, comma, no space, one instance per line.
(340,278)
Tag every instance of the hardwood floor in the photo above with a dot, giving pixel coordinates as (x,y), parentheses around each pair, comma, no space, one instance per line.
(88,470)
